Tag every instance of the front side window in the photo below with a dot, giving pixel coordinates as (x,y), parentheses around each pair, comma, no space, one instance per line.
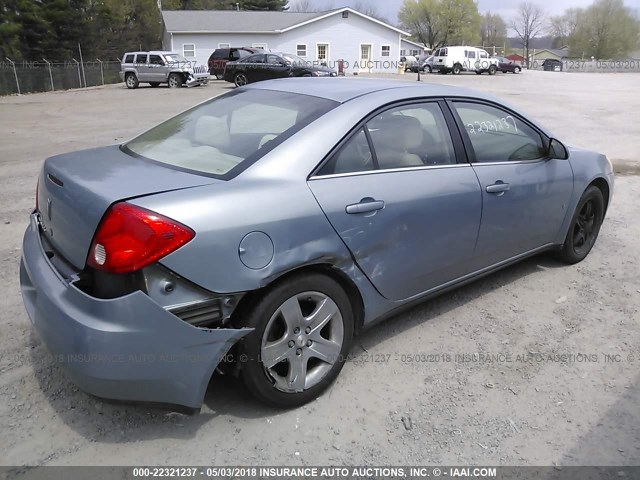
(189,50)
(141,58)
(274,60)
(228,131)
(155,60)
(498,136)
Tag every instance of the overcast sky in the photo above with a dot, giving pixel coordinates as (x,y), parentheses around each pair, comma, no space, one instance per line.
(506,8)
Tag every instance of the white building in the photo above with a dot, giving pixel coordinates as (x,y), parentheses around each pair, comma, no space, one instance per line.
(362,42)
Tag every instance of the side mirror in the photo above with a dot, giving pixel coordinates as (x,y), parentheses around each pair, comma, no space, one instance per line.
(557,150)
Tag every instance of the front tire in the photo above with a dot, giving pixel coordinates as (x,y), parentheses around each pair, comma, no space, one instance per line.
(516,70)
(584,227)
(131,80)
(492,70)
(219,76)
(240,79)
(303,329)
(175,80)
(457,69)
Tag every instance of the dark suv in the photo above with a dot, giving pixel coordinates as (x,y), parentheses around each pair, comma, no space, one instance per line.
(221,56)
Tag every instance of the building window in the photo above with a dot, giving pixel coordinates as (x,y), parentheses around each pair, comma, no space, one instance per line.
(322,50)
(345,14)
(224,45)
(403,53)
(301,50)
(415,53)
(188,50)
(386,51)
(261,46)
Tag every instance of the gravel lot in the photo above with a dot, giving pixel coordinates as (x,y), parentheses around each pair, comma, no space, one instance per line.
(529,406)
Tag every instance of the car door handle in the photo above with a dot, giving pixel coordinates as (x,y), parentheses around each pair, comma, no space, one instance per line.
(498,187)
(365,205)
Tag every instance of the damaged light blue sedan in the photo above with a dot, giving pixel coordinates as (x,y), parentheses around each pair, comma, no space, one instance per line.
(259,231)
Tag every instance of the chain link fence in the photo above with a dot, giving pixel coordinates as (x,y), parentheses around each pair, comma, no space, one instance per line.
(29,77)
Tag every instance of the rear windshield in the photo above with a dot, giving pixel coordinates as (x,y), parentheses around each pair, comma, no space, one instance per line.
(226,134)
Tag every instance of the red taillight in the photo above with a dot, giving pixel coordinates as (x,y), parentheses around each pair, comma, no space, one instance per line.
(131,237)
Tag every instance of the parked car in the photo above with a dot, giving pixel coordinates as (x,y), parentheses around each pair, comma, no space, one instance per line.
(158,67)
(459,59)
(280,219)
(505,65)
(266,66)
(424,63)
(551,64)
(221,56)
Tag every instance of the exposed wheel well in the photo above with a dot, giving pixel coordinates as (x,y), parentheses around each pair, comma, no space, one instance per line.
(602,184)
(355,299)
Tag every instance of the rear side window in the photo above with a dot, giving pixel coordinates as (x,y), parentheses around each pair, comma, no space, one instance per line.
(141,58)
(228,131)
(221,53)
(402,137)
(498,136)
(128,59)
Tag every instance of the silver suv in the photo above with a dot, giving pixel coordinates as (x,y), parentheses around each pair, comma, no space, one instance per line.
(158,67)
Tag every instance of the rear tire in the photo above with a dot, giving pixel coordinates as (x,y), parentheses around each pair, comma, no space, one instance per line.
(516,70)
(219,76)
(131,80)
(584,227)
(240,79)
(295,323)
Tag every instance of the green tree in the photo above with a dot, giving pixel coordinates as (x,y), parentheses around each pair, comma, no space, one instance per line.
(607,29)
(441,22)
(10,29)
(278,5)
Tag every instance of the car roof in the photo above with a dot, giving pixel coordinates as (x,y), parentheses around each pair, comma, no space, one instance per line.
(345,89)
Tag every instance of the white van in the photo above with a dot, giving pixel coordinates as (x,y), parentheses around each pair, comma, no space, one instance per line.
(463,59)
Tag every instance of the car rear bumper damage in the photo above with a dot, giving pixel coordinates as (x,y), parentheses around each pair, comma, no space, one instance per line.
(126,348)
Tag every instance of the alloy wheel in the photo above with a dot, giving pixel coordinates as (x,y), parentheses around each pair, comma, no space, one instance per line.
(585,227)
(241,80)
(302,341)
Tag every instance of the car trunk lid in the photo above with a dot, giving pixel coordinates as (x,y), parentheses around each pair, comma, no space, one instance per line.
(76,189)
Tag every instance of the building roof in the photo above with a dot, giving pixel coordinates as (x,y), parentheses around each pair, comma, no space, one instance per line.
(558,52)
(415,43)
(231,21)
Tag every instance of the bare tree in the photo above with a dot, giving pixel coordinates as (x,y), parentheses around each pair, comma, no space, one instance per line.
(370,11)
(303,6)
(528,23)
(562,27)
